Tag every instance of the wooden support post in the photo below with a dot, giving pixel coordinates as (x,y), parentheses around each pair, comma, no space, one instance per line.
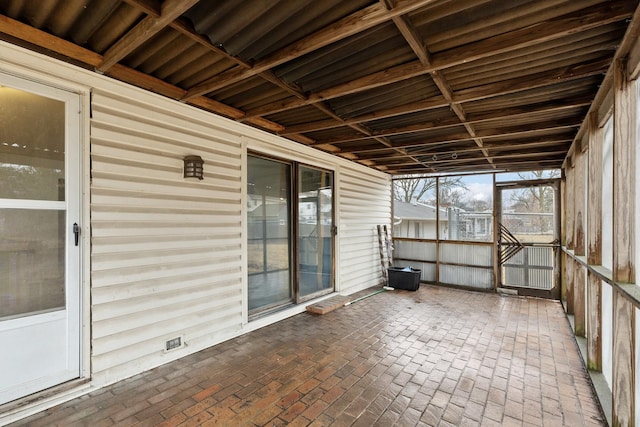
(497,217)
(579,305)
(579,214)
(569,265)
(623,395)
(557,252)
(594,219)
(563,212)
(569,207)
(624,177)
(594,323)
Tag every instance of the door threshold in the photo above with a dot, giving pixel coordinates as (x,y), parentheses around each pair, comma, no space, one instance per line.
(43,395)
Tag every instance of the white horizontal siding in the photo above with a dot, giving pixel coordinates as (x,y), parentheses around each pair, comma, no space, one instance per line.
(167,253)
(364,202)
(166,256)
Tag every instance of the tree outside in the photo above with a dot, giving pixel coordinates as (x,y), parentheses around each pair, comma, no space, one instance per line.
(418,187)
(538,201)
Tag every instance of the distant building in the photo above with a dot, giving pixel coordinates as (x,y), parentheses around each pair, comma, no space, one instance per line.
(465,225)
(417,220)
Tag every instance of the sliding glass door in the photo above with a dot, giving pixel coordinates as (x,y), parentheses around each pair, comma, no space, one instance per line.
(290,251)
(269,234)
(315,231)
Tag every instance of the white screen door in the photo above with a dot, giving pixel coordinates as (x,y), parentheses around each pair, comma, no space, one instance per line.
(39,250)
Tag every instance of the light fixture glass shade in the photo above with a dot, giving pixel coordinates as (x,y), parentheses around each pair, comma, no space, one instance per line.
(193,167)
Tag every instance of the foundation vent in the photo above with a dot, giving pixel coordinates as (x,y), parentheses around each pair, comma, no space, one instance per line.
(173,343)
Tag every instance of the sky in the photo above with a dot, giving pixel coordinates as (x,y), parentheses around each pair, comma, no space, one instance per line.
(480,187)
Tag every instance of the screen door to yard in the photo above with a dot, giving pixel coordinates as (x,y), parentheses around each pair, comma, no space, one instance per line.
(528,240)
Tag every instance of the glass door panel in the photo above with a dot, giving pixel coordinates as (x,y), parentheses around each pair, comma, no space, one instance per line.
(39,259)
(32,254)
(315,231)
(269,231)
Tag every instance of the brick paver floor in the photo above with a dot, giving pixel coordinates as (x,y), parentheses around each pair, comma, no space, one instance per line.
(435,357)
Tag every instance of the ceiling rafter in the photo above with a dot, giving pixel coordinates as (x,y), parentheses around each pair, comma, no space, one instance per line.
(79,54)
(147,28)
(546,142)
(539,80)
(350,25)
(410,34)
(514,113)
(440,160)
(511,165)
(561,27)
(397,81)
(485,133)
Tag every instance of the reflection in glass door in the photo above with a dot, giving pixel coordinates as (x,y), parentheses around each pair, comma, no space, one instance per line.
(269,231)
(39,261)
(315,231)
(289,251)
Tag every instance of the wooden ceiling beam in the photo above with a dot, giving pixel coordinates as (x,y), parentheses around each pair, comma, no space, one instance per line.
(512,131)
(536,34)
(539,80)
(355,23)
(48,41)
(466,95)
(428,104)
(544,143)
(548,30)
(79,54)
(410,34)
(413,39)
(185,29)
(358,128)
(147,28)
(150,7)
(460,160)
(515,113)
(628,41)
(510,166)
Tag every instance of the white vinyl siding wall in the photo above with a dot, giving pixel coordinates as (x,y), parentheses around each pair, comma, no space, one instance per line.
(166,252)
(166,257)
(365,201)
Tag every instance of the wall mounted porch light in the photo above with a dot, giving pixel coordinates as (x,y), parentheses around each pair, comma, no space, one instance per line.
(193,167)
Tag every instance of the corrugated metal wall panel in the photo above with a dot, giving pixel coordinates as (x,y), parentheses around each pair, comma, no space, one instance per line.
(166,252)
(364,202)
(532,267)
(423,251)
(473,277)
(460,253)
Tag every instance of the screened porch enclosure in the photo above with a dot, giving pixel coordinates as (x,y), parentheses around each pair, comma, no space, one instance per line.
(482,231)
(339,100)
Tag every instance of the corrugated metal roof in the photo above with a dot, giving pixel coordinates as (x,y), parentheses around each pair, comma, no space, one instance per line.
(389,83)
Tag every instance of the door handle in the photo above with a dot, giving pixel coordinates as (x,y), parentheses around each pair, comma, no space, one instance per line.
(76,232)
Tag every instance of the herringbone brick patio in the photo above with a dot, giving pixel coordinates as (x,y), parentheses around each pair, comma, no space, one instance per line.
(435,357)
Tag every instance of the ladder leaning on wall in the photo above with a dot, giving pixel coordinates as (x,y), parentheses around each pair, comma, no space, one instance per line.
(385,246)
